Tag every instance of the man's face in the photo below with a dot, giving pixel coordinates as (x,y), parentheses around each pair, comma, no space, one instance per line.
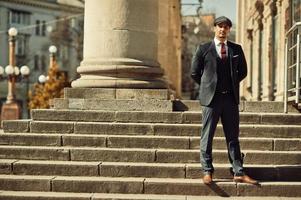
(222,31)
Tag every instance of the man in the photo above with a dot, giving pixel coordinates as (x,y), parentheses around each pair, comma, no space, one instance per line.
(218,67)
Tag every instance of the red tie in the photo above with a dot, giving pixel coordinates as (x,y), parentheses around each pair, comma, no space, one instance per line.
(223,51)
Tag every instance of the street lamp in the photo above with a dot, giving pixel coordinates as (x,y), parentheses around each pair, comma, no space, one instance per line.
(11,109)
(52,51)
(42,79)
(52,71)
(12,32)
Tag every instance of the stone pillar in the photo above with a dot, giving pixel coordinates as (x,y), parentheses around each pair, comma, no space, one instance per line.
(282,6)
(249,57)
(268,55)
(271,50)
(259,6)
(169,43)
(239,25)
(120,45)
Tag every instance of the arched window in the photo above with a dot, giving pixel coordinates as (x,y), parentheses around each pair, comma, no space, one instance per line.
(295,6)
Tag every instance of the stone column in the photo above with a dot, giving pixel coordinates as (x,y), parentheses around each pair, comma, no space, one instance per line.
(249,52)
(282,6)
(169,43)
(259,6)
(120,45)
(268,55)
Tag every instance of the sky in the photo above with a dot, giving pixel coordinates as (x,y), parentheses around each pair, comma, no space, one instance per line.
(220,7)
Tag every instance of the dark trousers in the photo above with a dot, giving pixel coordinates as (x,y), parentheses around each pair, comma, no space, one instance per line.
(222,106)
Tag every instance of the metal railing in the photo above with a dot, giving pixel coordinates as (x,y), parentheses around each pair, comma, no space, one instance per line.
(292,66)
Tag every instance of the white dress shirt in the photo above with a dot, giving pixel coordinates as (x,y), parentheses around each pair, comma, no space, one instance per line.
(218,47)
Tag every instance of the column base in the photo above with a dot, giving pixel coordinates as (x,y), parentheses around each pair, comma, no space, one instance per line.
(120,76)
(10,111)
(116,93)
(105,82)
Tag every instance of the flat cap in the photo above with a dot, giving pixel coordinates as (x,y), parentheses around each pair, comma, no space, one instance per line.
(223,19)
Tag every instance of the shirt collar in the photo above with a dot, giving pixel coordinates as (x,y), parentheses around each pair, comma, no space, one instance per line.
(218,43)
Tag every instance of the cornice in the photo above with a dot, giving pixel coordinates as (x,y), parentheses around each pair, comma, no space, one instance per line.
(46,5)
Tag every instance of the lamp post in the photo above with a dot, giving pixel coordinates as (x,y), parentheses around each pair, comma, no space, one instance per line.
(12,32)
(52,51)
(52,60)
(11,109)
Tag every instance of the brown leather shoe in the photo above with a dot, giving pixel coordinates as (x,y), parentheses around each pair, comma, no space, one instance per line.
(245,179)
(207,179)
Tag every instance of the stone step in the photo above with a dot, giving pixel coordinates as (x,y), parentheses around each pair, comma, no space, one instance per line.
(115,93)
(156,117)
(146,170)
(24,195)
(162,94)
(142,155)
(144,141)
(246,130)
(114,104)
(166,186)
(245,106)
(32,195)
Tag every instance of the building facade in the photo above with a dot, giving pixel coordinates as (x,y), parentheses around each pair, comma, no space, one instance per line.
(40,24)
(262,29)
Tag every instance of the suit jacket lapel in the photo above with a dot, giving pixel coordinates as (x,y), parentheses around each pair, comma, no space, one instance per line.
(230,51)
(214,55)
(212,50)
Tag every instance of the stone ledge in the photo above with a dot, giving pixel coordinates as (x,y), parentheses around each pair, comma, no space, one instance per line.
(189,187)
(289,189)
(14,126)
(156,117)
(146,170)
(143,141)
(98,184)
(244,106)
(30,139)
(25,183)
(246,130)
(114,104)
(34,153)
(116,93)
(142,155)
(34,195)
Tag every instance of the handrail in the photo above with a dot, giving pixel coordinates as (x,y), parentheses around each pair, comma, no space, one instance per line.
(285,98)
(298,70)
(292,67)
(293,27)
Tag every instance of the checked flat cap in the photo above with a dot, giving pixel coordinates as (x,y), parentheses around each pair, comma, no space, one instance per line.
(223,19)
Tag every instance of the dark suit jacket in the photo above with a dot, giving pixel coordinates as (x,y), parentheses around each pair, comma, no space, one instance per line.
(204,72)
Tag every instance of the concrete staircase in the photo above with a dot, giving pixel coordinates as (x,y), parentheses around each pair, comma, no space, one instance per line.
(95,146)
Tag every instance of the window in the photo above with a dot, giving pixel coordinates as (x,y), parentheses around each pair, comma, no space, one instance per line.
(19,17)
(21,44)
(37,27)
(43,63)
(295,11)
(36,62)
(43,28)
